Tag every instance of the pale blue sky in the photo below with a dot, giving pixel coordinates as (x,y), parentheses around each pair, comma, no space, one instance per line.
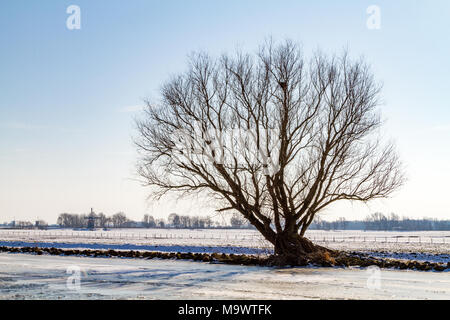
(67,96)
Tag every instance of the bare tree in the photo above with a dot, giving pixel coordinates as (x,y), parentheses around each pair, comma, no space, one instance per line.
(119,219)
(101,220)
(174,220)
(272,136)
(237,221)
(148,221)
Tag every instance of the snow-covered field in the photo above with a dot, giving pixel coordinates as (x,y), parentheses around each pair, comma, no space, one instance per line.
(24,276)
(226,240)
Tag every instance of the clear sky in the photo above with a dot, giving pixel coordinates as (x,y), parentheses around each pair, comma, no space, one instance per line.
(68,97)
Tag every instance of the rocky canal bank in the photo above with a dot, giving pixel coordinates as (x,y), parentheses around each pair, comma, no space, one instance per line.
(338,259)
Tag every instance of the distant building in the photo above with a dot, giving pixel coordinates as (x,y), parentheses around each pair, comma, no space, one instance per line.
(91,220)
(41,225)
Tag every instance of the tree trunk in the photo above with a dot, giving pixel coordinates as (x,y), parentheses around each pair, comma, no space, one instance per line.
(293,249)
(293,243)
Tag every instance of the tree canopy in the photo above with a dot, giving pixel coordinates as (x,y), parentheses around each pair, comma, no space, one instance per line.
(273,136)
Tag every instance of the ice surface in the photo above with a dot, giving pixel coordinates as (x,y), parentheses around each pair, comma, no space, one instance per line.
(24,276)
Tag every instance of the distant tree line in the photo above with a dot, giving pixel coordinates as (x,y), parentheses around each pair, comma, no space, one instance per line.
(376,222)
(195,222)
(73,220)
(120,220)
(38,224)
(380,222)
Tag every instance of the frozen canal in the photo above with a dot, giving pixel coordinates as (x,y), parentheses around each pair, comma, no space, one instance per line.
(24,276)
